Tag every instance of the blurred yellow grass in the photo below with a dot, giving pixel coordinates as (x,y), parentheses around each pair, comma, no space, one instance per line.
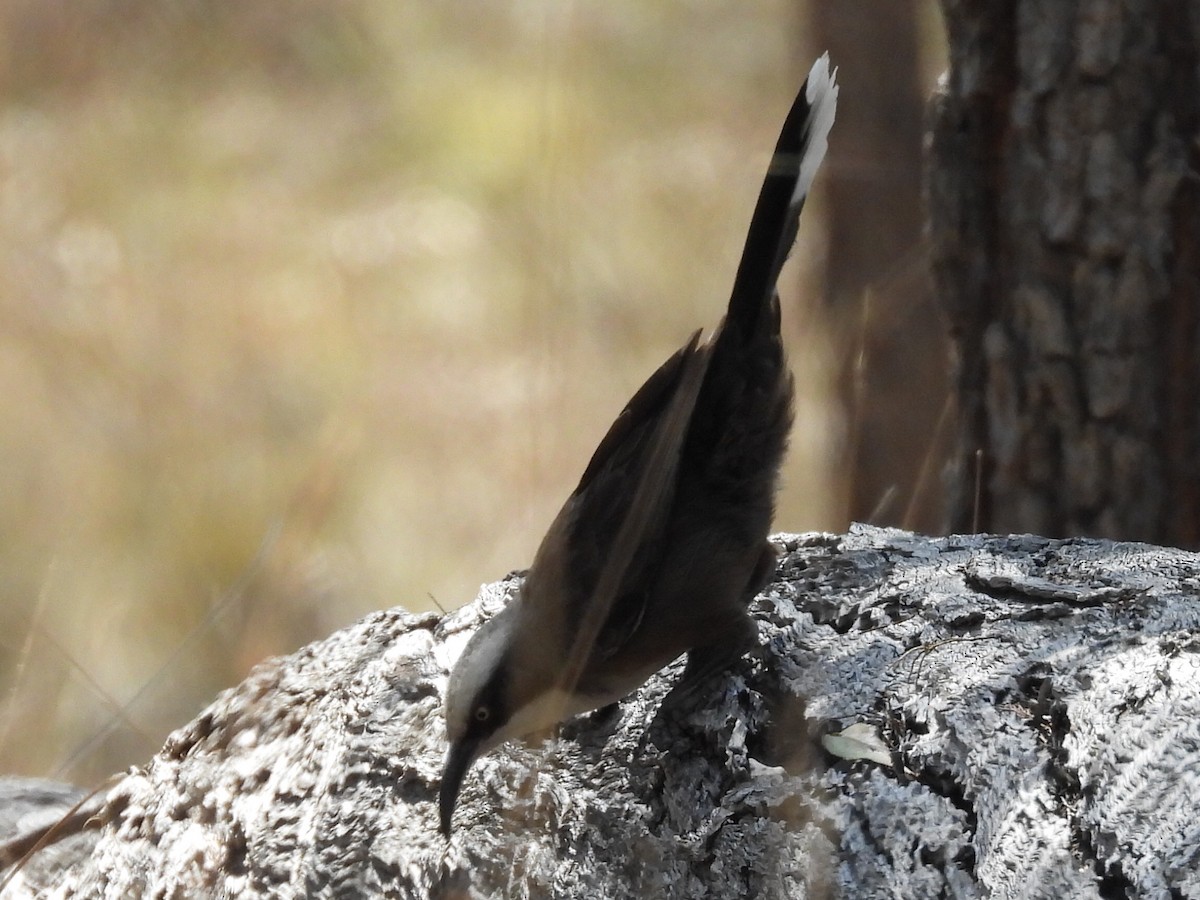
(315,308)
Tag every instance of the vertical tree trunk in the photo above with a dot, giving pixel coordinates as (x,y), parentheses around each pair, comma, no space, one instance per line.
(1065,220)
(876,280)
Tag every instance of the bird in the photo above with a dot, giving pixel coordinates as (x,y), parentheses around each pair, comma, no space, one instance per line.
(664,542)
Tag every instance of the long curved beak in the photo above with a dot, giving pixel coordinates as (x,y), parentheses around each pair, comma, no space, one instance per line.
(458,761)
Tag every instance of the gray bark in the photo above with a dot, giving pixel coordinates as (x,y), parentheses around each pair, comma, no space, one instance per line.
(1065,221)
(1039,702)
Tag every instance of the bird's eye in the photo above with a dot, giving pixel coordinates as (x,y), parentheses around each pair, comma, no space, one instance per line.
(482,714)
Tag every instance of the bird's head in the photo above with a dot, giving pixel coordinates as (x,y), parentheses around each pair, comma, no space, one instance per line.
(501,688)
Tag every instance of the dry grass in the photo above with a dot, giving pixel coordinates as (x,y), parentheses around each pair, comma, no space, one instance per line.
(314,308)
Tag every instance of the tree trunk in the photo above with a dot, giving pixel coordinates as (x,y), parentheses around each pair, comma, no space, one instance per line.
(1032,730)
(892,337)
(1065,219)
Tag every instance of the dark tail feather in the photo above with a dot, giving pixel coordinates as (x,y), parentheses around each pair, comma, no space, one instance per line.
(798,155)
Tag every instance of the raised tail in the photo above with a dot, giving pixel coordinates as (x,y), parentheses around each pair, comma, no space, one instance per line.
(798,155)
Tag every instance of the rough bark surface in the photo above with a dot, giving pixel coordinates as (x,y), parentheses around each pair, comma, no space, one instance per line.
(1039,701)
(1065,220)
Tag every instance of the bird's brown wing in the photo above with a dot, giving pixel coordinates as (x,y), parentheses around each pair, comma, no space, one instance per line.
(619,511)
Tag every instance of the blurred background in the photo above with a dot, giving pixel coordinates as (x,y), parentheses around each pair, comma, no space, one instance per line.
(312,308)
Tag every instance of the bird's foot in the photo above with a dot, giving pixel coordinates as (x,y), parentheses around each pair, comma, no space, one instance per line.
(711,659)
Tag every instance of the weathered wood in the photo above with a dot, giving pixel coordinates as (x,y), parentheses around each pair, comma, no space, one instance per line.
(1040,701)
(1064,214)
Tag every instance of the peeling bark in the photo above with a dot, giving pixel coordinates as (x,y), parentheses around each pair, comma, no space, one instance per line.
(1040,701)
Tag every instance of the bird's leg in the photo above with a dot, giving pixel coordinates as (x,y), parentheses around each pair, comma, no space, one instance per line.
(737,635)
(764,572)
